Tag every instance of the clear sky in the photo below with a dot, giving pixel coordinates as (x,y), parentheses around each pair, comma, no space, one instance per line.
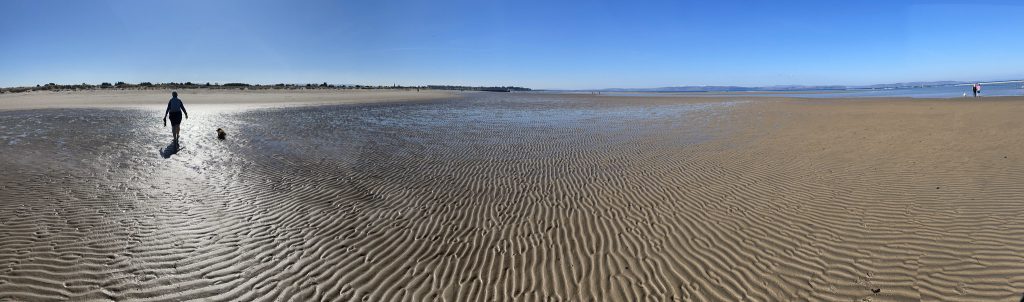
(539,44)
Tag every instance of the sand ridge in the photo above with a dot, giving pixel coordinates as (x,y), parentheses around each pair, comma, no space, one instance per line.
(519,197)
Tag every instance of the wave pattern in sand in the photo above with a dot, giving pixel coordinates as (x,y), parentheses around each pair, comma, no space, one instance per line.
(492,197)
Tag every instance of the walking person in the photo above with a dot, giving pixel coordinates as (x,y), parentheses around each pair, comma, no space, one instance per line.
(974,90)
(977,89)
(175,108)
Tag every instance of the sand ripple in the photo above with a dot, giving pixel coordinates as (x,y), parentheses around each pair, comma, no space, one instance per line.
(502,197)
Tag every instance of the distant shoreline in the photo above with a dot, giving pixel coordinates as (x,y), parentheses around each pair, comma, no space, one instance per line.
(157,98)
(246,86)
(154,98)
(792,88)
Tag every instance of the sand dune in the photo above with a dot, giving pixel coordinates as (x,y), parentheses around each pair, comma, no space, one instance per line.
(519,197)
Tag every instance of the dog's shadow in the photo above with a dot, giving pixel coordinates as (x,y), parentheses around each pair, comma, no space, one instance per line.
(171,149)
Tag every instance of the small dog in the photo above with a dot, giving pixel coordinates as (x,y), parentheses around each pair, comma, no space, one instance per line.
(221,134)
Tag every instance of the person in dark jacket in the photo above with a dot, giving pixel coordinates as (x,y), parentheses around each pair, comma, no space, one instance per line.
(175,108)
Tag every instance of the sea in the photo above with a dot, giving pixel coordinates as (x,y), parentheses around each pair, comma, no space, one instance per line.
(946,91)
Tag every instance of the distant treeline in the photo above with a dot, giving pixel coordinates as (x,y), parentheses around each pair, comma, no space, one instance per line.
(245,86)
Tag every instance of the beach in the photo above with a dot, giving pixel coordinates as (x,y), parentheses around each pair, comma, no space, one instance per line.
(239,98)
(475,196)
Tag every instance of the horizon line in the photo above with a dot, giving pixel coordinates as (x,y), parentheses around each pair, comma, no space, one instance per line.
(319,84)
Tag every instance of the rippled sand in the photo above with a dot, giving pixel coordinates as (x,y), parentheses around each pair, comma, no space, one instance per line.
(494,196)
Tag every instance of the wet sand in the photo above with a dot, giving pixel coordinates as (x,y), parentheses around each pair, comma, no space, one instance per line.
(497,196)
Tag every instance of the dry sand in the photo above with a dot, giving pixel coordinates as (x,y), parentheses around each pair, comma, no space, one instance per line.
(251,98)
(496,196)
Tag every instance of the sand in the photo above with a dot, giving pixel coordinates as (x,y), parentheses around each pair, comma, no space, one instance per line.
(148,99)
(497,196)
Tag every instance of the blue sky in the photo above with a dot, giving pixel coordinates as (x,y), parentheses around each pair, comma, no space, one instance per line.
(537,44)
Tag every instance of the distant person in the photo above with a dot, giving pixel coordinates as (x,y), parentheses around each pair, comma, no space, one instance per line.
(175,108)
(977,89)
(974,90)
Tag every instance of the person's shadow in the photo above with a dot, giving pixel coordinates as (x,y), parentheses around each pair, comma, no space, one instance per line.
(171,149)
